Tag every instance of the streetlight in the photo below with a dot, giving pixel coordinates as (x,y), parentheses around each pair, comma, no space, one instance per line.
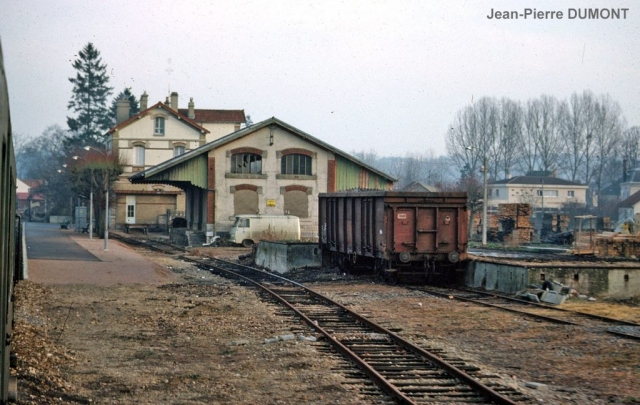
(484,197)
(90,199)
(106,200)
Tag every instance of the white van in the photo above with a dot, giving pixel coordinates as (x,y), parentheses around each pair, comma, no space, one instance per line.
(249,229)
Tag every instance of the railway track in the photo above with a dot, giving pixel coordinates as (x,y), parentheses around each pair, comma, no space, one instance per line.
(385,363)
(554,314)
(407,373)
(156,245)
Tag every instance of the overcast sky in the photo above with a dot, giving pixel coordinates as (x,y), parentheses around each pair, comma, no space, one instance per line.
(360,75)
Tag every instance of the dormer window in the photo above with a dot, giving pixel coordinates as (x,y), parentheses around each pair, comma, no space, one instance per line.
(159,126)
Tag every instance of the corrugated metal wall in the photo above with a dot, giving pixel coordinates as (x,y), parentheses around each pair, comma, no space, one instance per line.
(193,170)
(350,175)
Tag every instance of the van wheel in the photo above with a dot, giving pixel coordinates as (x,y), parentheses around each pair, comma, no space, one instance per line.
(247,243)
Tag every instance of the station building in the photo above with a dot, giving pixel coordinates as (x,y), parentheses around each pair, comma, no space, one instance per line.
(267,168)
(156,134)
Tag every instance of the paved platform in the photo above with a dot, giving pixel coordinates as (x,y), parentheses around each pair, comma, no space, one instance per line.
(60,256)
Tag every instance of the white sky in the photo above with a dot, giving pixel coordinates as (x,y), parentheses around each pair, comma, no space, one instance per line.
(360,75)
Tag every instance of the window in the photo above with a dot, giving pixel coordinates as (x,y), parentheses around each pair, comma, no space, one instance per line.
(159,127)
(138,155)
(571,193)
(296,164)
(246,163)
(497,192)
(547,193)
(178,150)
(242,223)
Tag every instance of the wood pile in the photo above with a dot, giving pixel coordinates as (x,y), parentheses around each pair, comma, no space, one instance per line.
(613,244)
(513,222)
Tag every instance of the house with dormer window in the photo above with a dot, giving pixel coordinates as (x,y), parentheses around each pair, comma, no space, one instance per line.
(158,133)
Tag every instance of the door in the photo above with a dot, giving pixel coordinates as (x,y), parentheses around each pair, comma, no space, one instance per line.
(447,230)
(404,230)
(131,210)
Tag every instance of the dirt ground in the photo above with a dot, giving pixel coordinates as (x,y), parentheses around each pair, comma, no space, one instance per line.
(200,339)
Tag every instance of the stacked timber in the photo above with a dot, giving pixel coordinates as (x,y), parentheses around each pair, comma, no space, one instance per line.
(613,244)
(513,222)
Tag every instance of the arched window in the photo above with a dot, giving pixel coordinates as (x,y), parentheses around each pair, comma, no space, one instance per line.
(246,163)
(296,164)
(138,155)
(159,126)
(178,150)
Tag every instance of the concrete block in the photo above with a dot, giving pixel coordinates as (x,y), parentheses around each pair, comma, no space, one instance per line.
(271,340)
(552,297)
(287,337)
(240,342)
(532,297)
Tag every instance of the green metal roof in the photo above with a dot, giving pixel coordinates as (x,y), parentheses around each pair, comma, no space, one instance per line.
(156,174)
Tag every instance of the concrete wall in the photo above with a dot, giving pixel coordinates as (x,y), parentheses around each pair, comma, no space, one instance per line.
(148,208)
(611,282)
(282,257)
(219,129)
(270,183)
(595,281)
(496,277)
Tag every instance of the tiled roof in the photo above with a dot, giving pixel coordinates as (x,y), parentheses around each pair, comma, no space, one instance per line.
(632,200)
(214,116)
(32,183)
(537,180)
(633,176)
(162,106)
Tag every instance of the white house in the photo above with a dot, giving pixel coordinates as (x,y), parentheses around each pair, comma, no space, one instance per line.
(156,134)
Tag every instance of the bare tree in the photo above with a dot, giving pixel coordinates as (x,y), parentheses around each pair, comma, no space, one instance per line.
(549,139)
(578,126)
(630,146)
(607,135)
(529,148)
(508,139)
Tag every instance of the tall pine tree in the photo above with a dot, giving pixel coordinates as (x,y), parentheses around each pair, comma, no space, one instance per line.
(134,106)
(89,99)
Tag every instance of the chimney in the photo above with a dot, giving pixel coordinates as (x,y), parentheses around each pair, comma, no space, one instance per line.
(624,170)
(122,110)
(167,102)
(192,111)
(144,99)
(174,101)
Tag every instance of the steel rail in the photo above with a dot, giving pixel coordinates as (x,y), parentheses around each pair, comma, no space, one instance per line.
(537,305)
(386,386)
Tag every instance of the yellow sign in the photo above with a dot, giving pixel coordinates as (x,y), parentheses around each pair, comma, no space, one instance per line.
(271,203)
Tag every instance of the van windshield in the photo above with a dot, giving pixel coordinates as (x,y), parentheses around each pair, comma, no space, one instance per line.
(242,223)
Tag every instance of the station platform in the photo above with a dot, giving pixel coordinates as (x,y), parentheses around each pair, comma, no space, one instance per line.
(60,256)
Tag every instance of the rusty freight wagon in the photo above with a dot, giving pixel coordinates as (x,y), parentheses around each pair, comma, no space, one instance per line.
(395,234)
